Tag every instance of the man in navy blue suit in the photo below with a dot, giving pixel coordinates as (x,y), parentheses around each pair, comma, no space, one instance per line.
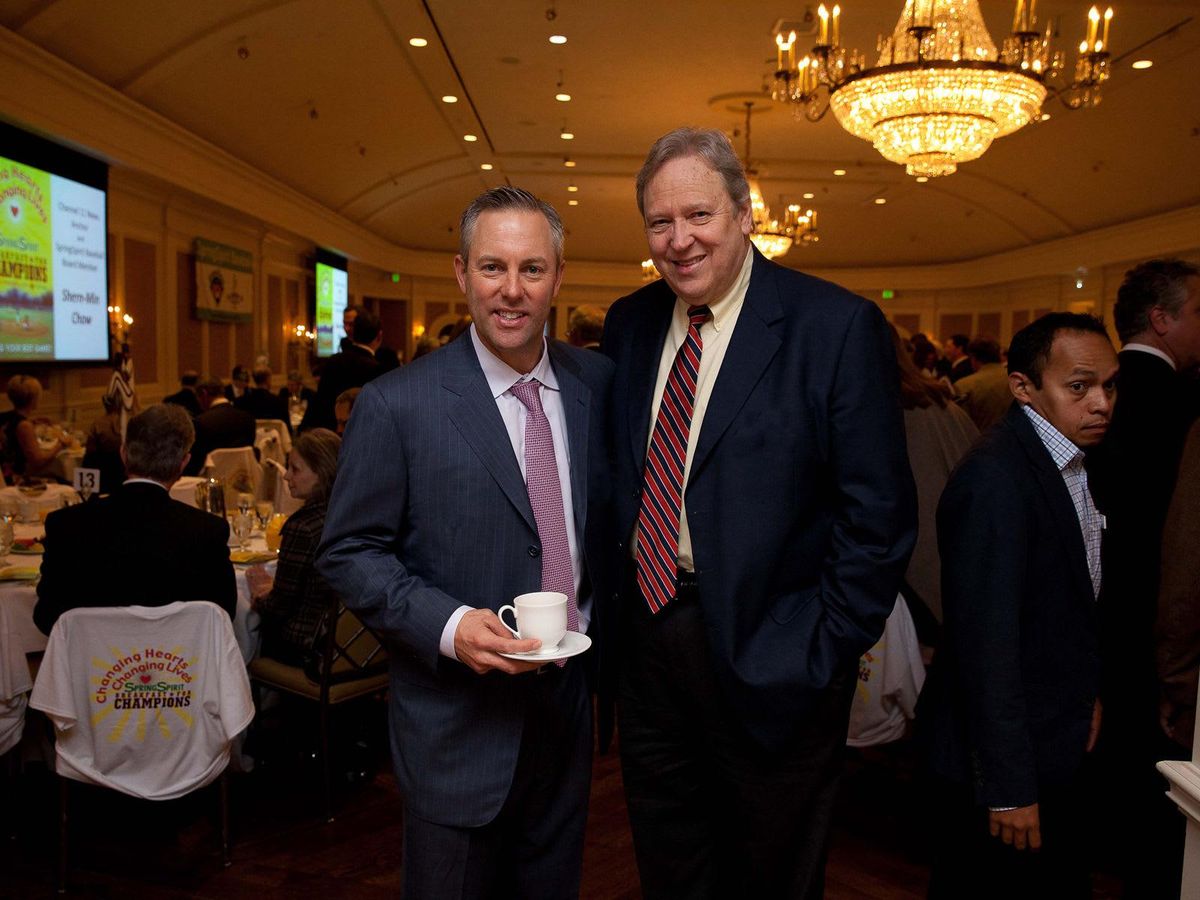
(1011,706)
(766,513)
(438,518)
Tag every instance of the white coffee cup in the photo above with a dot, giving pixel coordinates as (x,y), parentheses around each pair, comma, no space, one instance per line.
(541,615)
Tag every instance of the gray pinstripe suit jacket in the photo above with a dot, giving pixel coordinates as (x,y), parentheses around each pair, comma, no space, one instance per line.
(429,511)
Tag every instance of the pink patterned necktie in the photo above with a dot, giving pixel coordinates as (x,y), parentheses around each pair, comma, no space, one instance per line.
(545,496)
(658,518)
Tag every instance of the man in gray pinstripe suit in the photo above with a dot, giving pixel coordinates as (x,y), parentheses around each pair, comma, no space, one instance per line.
(431,529)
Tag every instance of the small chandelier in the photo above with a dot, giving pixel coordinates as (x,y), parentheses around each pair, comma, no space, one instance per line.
(774,237)
(940,91)
(649,270)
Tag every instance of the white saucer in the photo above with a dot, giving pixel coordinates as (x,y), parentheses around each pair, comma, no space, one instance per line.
(572,644)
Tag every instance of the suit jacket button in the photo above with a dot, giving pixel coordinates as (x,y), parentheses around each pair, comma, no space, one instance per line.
(534,551)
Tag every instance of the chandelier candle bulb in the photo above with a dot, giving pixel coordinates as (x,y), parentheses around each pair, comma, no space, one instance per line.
(823,14)
(837,26)
(1093,22)
(1107,19)
(1019,16)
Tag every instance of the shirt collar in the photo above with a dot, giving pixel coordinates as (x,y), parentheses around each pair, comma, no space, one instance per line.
(1061,450)
(144,481)
(725,305)
(217,401)
(1153,351)
(501,376)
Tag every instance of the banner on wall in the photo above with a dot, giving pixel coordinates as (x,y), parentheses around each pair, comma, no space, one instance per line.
(224,282)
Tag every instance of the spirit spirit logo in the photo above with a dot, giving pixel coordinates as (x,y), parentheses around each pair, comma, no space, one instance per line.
(148,689)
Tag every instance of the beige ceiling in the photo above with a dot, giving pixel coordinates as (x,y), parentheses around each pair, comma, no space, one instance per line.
(328,97)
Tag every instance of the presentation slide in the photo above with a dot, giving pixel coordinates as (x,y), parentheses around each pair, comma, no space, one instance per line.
(53,271)
(332,292)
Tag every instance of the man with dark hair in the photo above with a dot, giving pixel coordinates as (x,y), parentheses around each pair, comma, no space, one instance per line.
(1157,314)
(585,327)
(186,395)
(138,546)
(984,394)
(956,355)
(260,402)
(749,597)
(220,424)
(239,382)
(473,475)
(351,368)
(1011,707)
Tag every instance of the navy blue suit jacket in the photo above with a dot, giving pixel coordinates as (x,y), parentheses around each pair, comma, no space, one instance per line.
(800,501)
(429,511)
(1008,705)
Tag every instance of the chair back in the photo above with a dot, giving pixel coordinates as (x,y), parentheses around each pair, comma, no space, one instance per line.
(349,650)
(238,470)
(276,489)
(144,700)
(281,429)
(266,442)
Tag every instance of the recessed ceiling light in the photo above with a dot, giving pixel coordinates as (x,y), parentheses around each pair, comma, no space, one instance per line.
(1142,63)
(562,98)
(417,42)
(1045,117)
(558,38)
(572,188)
(567,135)
(808,195)
(921,179)
(569,163)
(487,167)
(470,138)
(449,98)
(572,203)
(839,171)
(879,201)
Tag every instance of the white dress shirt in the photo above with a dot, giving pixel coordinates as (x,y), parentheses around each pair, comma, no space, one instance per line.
(715,335)
(1153,351)
(500,378)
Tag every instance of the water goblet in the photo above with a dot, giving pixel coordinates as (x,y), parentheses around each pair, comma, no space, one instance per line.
(242,527)
(245,502)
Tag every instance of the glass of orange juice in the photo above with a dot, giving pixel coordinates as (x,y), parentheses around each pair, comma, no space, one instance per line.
(272,533)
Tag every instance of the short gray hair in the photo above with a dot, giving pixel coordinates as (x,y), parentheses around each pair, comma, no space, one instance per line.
(710,145)
(507,198)
(156,441)
(1158,282)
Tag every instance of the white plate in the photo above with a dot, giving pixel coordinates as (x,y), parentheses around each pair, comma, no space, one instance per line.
(572,644)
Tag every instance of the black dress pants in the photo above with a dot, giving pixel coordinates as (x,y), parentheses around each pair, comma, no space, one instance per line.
(714,815)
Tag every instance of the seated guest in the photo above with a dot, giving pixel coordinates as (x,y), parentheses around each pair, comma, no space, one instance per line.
(343,406)
(260,402)
(221,424)
(138,547)
(239,382)
(21,454)
(985,394)
(186,395)
(293,604)
(296,390)
(586,327)
(102,449)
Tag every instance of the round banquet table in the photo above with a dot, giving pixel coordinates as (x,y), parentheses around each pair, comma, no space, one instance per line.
(30,507)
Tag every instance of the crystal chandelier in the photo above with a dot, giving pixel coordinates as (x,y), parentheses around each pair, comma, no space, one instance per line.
(774,237)
(940,92)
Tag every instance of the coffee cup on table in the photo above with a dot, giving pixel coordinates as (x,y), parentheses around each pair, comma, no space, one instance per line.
(541,615)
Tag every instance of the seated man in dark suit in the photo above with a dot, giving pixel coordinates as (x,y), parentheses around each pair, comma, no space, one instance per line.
(221,424)
(138,546)
(296,389)
(351,368)
(260,402)
(186,395)
(1011,708)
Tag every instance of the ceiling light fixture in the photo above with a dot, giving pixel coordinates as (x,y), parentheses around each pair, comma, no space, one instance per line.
(568,162)
(418,42)
(449,98)
(921,179)
(940,91)
(470,138)
(558,38)
(774,237)
(880,201)
(567,135)
(572,188)
(572,203)
(808,195)
(839,172)
(487,167)
(1142,63)
(562,98)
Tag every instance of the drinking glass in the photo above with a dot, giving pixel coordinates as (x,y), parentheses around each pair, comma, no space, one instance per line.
(242,526)
(273,531)
(245,503)
(263,510)
(8,510)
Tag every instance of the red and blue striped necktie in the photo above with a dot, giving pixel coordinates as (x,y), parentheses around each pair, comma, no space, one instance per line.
(662,490)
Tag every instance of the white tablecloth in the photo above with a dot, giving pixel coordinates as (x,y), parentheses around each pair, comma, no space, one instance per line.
(30,507)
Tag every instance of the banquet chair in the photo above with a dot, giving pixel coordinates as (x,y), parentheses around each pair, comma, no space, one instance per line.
(350,663)
(280,427)
(266,442)
(145,701)
(276,490)
(238,470)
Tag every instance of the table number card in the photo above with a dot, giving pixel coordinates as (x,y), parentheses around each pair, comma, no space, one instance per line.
(87,482)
